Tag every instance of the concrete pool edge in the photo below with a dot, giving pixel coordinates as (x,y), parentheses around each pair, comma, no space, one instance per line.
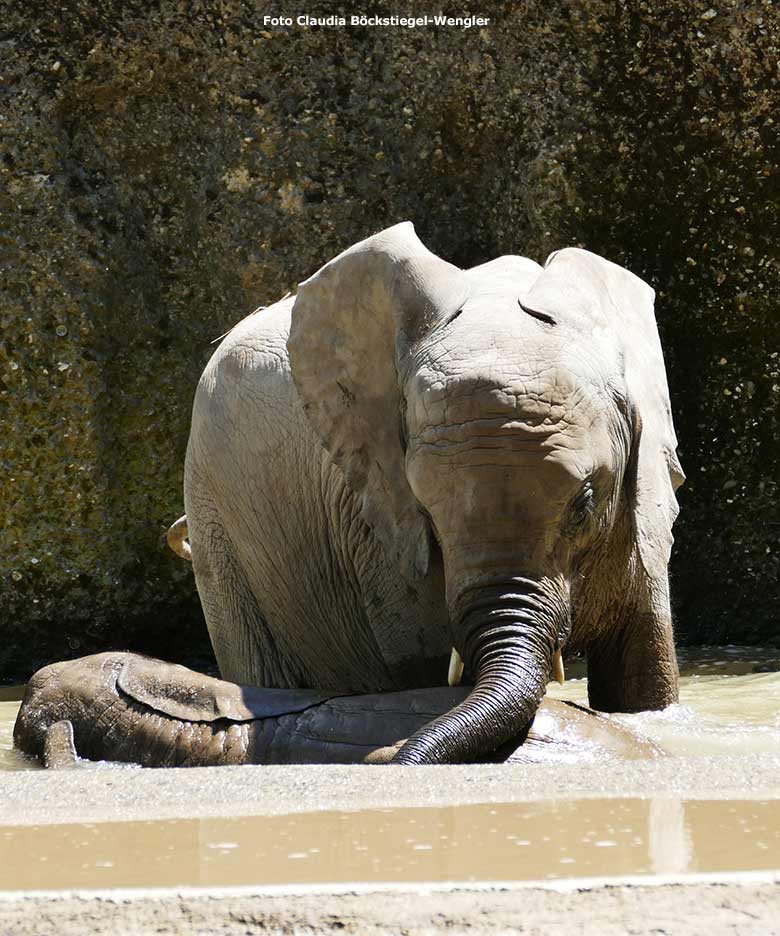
(419,888)
(584,908)
(105,794)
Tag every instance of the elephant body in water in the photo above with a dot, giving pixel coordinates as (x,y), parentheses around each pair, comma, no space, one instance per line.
(409,458)
(124,707)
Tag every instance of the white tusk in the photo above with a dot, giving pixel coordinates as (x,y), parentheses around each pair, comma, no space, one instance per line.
(177,537)
(456,669)
(557,667)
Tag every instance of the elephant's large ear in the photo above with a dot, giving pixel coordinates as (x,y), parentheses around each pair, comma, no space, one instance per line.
(182,693)
(353,326)
(583,289)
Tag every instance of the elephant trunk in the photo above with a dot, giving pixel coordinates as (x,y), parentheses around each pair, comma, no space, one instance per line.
(510,639)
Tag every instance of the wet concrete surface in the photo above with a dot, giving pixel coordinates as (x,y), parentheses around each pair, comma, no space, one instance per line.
(743,909)
(106,794)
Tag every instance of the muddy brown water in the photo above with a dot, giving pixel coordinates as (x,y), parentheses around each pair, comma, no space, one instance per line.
(502,842)
(729,703)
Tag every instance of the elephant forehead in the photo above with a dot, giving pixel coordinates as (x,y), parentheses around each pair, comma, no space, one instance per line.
(536,396)
(544,452)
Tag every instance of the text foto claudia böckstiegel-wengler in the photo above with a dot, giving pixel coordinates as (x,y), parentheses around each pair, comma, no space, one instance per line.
(468,21)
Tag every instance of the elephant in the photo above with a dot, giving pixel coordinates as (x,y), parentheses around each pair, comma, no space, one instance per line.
(124,707)
(408,463)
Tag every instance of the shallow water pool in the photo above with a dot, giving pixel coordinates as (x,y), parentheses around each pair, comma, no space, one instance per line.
(729,704)
(490,842)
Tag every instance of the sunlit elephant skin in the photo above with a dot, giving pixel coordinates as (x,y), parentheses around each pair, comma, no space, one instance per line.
(408,457)
(123,707)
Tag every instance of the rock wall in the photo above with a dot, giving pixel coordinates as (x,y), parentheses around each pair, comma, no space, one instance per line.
(168,166)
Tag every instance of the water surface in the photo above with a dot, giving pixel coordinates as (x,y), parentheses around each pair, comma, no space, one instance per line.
(729,703)
(10,758)
(491,842)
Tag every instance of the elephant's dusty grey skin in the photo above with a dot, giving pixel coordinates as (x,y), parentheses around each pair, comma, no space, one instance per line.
(123,707)
(409,457)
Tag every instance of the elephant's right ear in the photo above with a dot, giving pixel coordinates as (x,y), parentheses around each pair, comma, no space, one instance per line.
(608,304)
(353,326)
(182,693)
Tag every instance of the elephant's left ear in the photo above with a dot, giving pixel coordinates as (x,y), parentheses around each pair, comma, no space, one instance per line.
(182,693)
(608,303)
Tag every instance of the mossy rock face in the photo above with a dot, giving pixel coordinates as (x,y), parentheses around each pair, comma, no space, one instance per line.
(169,167)
(686,151)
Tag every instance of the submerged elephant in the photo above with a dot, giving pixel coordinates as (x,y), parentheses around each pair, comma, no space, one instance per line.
(409,457)
(124,707)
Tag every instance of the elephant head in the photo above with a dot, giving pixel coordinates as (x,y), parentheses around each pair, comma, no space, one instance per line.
(503,415)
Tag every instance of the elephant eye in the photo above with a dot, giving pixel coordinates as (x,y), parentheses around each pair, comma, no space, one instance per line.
(581,508)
